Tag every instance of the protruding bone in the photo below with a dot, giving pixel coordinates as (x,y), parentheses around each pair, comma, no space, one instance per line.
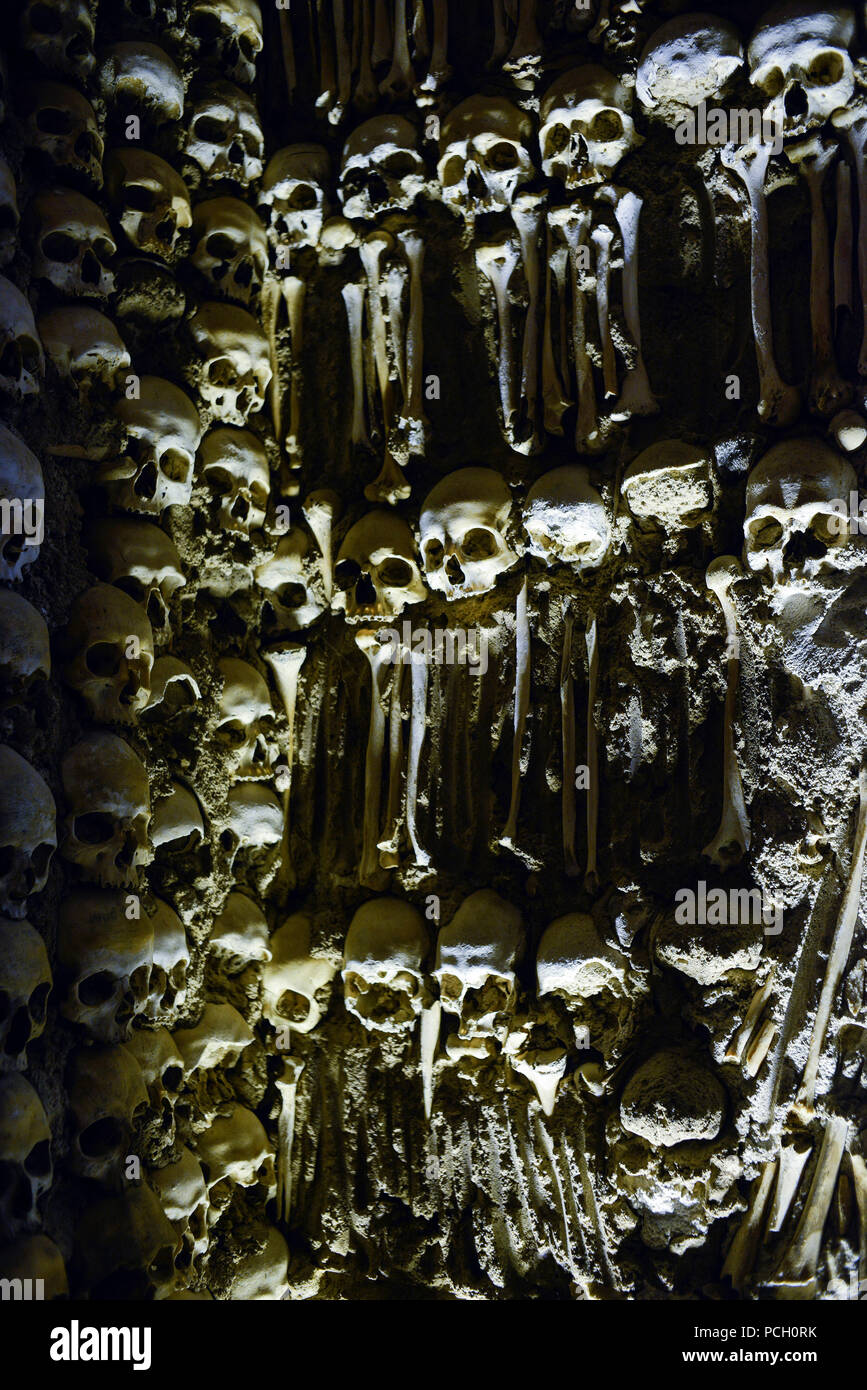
(527,217)
(843,296)
(857,137)
(791,1162)
(592,751)
(417,731)
(439,71)
(287,1085)
(574,223)
(501,37)
(413,248)
(344,64)
(553,394)
(741,1257)
(271,294)
(849,430)
(602,237)
(567,723)
(798,1264)
(735,1050)
(288,50)
(732,838)
(395,282)
(497,261)
(389,839)
(778,403)
(370,872)
(320,510)
(527,46)
(636,397)
(353,299)
(838,956)
(401,78)
(381,48)
(522,705)
(327,79)
(286,665)
(828,391)
(430,1035)
(293,293)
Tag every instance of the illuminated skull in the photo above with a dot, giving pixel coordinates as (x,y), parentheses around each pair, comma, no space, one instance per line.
(798,57)
(464,523)
(484,156)
(586,128)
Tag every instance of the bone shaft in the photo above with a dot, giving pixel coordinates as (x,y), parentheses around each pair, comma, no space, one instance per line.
(288,50)
(327,82)
(603,276)
(820,271)
(417,731)
(567,721)
(388,841)
(585,427)
(592,750)
(843,296)
(293,290)
(522,705)
(344,58)
(801,1259)
(353,299)
(381,33)
(858,140)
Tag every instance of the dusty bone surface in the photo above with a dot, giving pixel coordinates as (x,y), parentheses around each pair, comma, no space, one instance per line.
(433,654)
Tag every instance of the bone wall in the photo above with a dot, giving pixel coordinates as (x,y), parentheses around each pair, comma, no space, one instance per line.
(433,812)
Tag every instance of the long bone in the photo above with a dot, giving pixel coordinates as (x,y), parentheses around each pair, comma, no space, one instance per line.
(271,295)
(497,261)
(417,731)
(429,1036)
(567,723)
(843,296)
(838,955)
(778,403)
(327,77)
(413,249)
(293,293)
(353,299)
(592,646)
(602,237)
(366,91)
(574,223)
(636,396)
(370,872)
(741,1258)
(286,665)
(287,48)
(381,46)
(389,839)
(791,1162)
(828,391)
(439,70)
(390,485)
(501,36)
(553,393)
(522,705)
(320,509)
(395,281)
(732,838)
(856,135)
(527,212)
(420,41)
(287,1085)
(344,63)
(798,1264)
(527,43)
(400,79)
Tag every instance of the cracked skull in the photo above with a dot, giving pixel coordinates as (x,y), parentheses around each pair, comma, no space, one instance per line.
(463,525)
(475,966)
(108,795)
(670,487)
(163,431)
(28,832)
(140,77)
(381,170)
(688,60)
(376,574)
(566,520)
(383,957)
(586,128)
(105,962)
(484,156)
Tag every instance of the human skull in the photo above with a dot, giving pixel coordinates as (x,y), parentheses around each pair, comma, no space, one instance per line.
(793,530)
(25,984)
(219,1039)
(141,77)
(383,960)
(23,491)
(108,795)
(484,156)
(475,964)
(26,1169)
(230,248)
(183,1196)
(237,367)
(294,200)
(225,137)
(110,647)
(239,935)
(293,581)
(377,574)
(686,61)
(177,821)
(173,686)
(10,218)
(263,1274)
(163,433)
(235,467)
(381,170)
(296,984)
(139,558)
(798,57)
(125,1247)
(171,959)
(85,347)
(245,724)
(149,199)
(107,1101)
(35,1257)
(105,962)
(671,1099)
(586,128)
(670,487)
(464,526)
(253,822)
(61,124)
(574,963)
(22,363)
(25,653)
(235,1152)
(228,33)
(162,1070)
(59,34)
(566,520)
(28,832)
(74,244)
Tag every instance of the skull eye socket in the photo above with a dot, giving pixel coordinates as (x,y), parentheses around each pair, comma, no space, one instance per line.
(400,164)
(94,828)
(450,987)
(220,246)
(826,528)
(303,198)
(60,246)
(606,125)
(103,659)
(773,83)
(293,1006)
(221,481)
(210,129)
(479,544)
(172,1078)
(139,198)
(503,156)
(433,554)
(206,27)
(233,733)
(51,120)
(557,139)
(453,171)
(96,989)
(765,532)
(102,1138)
(291,596)
(40,859)
(220,372)
(174,466)
(38,1162)
(395,573)
(826,69)
(347,574)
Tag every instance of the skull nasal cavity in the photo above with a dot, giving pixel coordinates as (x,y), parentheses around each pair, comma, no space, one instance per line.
(804,545)
(453,569)
(796,102)
(364,590)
